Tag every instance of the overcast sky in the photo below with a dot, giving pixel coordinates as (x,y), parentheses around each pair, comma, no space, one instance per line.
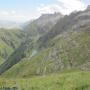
(25,10)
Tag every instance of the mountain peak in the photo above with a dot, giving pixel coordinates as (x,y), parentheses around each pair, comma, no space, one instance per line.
(50,15)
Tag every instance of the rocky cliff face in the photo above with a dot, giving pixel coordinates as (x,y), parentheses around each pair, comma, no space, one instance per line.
(43,24)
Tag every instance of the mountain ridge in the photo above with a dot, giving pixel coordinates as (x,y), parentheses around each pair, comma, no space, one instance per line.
(58,49)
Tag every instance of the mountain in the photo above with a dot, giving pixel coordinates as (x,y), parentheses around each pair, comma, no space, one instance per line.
(49,53)
(44,19)
(75,21)
(42,25)
(10,39)
(65,46)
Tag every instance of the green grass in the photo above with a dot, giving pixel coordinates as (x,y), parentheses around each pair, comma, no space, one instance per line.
(66,81)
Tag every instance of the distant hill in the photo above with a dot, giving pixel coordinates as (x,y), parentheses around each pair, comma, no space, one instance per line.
(10,39)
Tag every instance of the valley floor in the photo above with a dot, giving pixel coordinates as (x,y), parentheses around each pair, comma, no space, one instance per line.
(67,81)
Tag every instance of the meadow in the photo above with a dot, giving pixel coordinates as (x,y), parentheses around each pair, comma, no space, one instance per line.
(79,80)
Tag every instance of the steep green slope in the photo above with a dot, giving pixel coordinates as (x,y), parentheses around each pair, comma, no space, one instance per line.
(68,81)
(16,56)
(10,39)
(70,50)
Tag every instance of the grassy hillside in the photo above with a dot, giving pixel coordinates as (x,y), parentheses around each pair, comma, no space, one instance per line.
(68,51)
(65,81)
(10,39)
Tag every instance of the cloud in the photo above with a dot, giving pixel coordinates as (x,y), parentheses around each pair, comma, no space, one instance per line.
(4,13)
(13,15)
(63,6)
(13,12)
(49,8)
(72,5)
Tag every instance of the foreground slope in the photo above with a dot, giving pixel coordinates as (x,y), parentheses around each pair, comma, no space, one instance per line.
(65,81)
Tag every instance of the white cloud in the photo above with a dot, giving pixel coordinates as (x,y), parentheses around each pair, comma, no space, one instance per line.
(49,8)
(13,16)
(63,6)
(4,13)
(72,5)
(13,12)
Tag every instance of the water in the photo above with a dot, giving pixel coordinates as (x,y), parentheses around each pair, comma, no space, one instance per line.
(34,52)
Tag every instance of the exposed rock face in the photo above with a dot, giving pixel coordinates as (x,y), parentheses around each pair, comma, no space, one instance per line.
(43,24)
(75,21)
(88,8)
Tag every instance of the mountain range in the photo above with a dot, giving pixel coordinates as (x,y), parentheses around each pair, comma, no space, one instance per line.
(51,52)
(51,44)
